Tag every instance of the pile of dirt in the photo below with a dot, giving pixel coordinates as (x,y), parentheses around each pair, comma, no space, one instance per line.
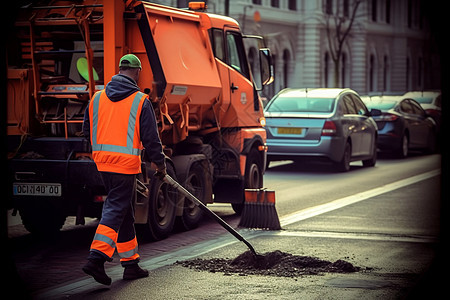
(274,263)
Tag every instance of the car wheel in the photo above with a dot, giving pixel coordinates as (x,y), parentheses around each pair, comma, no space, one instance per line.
(344,164)
(431,147)
(403,150)
(373,160)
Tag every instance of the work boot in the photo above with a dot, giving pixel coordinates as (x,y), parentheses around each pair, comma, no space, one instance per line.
(96,269)
(133,271)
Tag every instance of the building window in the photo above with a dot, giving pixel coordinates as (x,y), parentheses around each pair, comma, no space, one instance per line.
(343,69)
(346,8)
(372,74)
(374,10)
(258,2)
(326,69)
(388,11)
(408,74)
(328,7)
(385,73)
(292,5)
(275,3)
(420,73)
(286,61)
(410,13)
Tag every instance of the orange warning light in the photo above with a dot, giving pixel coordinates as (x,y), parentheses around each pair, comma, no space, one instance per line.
(197,6)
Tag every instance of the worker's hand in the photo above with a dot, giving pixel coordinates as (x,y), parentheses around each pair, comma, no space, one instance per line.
(160,172)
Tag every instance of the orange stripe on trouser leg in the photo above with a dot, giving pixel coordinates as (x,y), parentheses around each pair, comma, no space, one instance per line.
(128,250)
(104,240)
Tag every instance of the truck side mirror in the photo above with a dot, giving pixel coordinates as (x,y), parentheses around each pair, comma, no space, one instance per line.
(266,66)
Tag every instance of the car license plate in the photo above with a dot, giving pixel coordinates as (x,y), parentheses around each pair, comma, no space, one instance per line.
(290,130)
(37,189)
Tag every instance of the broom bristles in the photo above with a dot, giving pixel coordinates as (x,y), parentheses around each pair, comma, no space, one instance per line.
(259,210)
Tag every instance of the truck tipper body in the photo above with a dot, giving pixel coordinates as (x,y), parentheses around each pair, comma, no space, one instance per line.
(196,73)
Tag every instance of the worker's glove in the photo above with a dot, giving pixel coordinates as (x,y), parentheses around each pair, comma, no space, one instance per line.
(160,172)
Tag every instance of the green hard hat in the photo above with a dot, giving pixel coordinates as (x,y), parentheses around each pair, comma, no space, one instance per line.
(130,61)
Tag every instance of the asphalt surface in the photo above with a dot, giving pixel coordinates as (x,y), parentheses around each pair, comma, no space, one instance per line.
(384,220)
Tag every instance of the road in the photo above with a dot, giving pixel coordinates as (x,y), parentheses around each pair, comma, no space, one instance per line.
(384,219)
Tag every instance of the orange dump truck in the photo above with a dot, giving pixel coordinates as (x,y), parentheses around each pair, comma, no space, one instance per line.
(195,70)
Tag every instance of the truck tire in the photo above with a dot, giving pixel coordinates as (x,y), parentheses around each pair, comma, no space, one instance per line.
(197,183)
(254,170)
(41,216)
(162,208)
(253,176)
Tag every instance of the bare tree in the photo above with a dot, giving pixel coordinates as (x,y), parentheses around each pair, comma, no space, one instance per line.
(338,27)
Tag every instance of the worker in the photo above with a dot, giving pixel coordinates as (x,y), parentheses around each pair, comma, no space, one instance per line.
(118,121)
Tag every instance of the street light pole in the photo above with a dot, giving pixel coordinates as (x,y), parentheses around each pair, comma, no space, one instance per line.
(227,7)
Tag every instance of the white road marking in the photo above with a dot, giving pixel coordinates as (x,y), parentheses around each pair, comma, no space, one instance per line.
(339,203)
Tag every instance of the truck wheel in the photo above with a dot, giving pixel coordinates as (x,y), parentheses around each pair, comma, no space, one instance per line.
(197,184)
(41,216)
(253,176)
(162,205)
(254,170)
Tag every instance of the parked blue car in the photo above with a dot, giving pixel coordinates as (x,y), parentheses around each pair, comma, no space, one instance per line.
(403,125)
(331,124)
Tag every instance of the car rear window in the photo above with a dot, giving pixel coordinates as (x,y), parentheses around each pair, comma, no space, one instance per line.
(423,100)
(301,104)
(384,105)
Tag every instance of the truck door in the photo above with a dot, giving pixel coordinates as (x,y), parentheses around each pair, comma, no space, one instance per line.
(241,87)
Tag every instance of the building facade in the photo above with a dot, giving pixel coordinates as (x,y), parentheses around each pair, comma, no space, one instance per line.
(389,48)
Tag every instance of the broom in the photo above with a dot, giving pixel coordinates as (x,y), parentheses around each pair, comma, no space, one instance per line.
(259,210)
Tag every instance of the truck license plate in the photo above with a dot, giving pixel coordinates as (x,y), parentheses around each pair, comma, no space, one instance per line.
(37,189)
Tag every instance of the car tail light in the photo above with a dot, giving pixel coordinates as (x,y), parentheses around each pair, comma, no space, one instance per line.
(432,112)
(387,117)
(99,198)
(329,128)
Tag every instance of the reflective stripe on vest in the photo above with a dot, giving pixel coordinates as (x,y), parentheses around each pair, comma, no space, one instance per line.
(128,149)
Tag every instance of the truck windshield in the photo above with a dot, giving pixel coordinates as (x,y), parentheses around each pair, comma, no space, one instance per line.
(301,104)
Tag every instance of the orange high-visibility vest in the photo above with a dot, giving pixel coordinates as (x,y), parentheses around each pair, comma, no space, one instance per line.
(115,138)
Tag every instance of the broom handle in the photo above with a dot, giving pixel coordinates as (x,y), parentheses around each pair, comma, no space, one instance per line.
(210,213)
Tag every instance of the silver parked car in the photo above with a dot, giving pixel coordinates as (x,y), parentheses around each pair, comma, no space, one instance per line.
(321,123)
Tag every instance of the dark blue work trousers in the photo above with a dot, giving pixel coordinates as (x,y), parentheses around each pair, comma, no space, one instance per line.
(118,211)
